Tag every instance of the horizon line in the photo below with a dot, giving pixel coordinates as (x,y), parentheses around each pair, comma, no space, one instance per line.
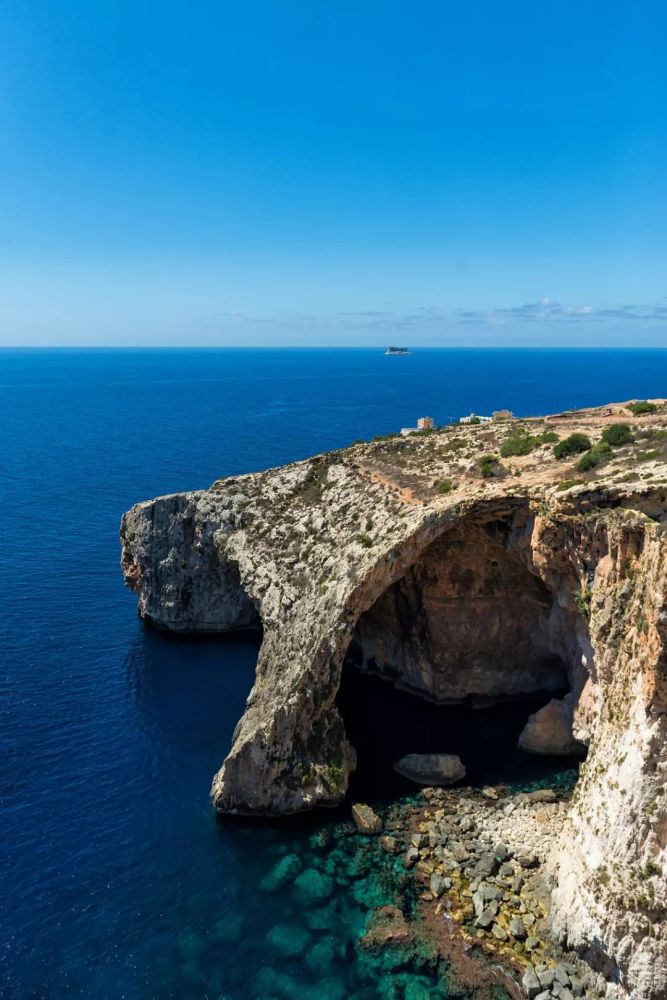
(326,347)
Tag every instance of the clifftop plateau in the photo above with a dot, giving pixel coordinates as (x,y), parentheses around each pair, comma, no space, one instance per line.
(487,561)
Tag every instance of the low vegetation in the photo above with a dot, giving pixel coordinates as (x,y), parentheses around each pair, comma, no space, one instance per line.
(522,443)
(489,465)
(444,486)
(569,483)
(642,406)
(575,444)
(617,435)
(598,455)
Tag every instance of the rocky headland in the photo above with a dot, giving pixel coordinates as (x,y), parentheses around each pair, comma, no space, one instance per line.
(478,563)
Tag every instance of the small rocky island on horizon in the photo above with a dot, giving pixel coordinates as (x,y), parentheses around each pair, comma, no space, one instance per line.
(483,562)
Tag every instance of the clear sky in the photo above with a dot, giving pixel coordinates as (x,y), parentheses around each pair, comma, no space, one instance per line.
(310,172)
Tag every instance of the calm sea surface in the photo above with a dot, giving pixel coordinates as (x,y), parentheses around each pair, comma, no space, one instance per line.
(117,880)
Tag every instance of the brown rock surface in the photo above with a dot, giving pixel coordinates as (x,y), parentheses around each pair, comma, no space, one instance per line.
(386,926)
(366,821)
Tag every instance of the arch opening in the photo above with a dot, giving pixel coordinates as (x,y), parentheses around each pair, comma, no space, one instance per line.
(456,655)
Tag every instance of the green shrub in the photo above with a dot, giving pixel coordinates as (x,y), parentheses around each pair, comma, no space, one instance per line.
(617,434)
(567,483)
(572,445)
(582,600)
(444,486)
(518,444)
(521,443)
(596,456)
(636,409)
(488,465)
(651,868)
(366,540)
(649,456)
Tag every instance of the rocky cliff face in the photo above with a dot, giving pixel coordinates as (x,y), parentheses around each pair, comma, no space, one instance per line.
(406,555)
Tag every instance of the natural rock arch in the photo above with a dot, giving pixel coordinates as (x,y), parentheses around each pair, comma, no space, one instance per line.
(291,750)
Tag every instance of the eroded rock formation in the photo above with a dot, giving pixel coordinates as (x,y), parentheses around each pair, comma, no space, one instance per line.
(452,584)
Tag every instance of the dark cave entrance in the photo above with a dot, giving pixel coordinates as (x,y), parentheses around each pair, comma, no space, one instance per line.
(384,723)
(454,657)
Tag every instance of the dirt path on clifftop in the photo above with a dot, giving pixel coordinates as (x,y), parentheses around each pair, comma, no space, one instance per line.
(404,493)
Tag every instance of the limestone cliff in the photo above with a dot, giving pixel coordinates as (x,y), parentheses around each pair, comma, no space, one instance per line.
(454,573)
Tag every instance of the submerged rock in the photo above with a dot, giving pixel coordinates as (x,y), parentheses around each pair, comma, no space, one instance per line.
(431,768)
(321,957)
(386,926)
(281,874)
(312,887)
(228,929)
(288,939)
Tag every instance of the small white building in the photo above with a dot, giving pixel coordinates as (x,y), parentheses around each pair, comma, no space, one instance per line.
(474,418)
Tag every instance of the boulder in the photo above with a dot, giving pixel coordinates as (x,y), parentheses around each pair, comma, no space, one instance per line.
(411,857)
(389,844)
(365,819)
(541,795)
(546,978)
(561,975)
(431,768)
(487,916)
(517,929)
(439,884)
(549,730)
(530,982)
(486,865)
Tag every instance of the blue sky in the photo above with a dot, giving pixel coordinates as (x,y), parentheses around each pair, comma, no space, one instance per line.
(315,173)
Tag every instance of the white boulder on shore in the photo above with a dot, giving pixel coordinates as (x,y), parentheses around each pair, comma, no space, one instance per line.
(431,768)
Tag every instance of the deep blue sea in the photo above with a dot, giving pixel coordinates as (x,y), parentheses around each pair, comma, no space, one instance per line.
(117,879)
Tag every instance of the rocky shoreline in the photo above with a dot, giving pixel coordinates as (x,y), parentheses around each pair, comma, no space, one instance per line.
(451,894)
(481,862)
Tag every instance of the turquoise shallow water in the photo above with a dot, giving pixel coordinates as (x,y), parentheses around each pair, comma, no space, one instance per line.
(117,880)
